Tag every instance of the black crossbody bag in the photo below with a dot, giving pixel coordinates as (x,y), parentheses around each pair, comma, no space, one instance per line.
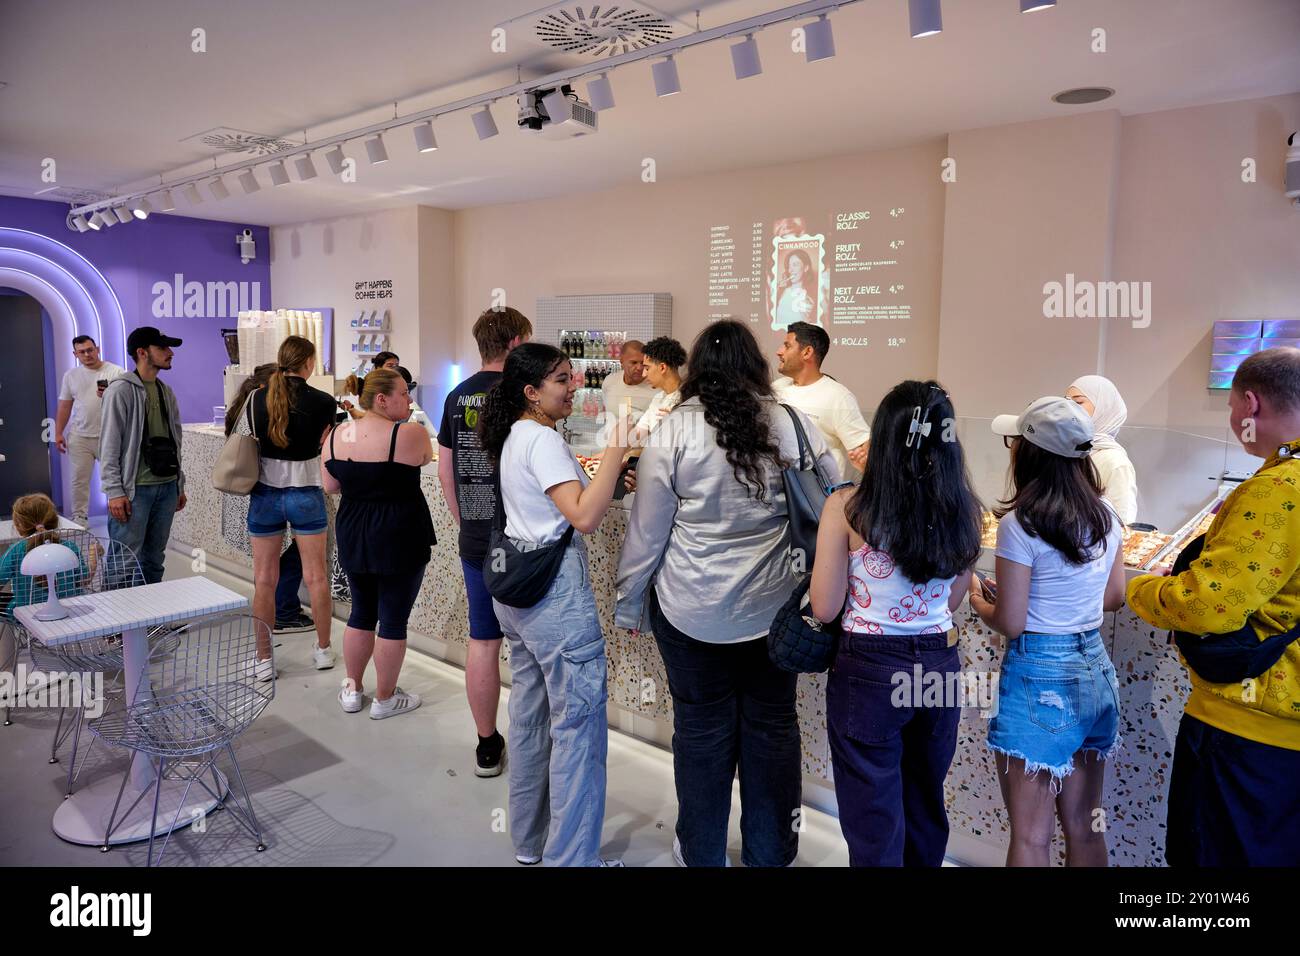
(1227,658)
(520,578)
(159,451)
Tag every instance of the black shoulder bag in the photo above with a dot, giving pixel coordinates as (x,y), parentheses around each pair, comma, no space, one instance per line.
(520,578)
(806,491)
(1227,658)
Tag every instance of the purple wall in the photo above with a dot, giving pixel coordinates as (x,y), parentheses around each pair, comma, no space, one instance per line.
(134,256)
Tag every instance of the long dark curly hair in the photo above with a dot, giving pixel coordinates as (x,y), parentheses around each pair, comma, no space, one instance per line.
(529,364)
(916,501)
(728,373)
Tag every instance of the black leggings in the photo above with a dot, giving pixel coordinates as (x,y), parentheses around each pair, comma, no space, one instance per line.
(384,600)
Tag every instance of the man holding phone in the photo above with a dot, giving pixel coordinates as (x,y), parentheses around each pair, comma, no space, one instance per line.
(76,424)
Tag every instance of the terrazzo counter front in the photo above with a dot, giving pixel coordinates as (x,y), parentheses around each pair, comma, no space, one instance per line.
(1153,684)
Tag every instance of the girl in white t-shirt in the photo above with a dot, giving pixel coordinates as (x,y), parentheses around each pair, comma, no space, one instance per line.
(558,729)
(1060,566)
(893,561)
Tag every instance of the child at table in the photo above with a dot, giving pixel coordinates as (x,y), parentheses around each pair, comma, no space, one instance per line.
(36,515)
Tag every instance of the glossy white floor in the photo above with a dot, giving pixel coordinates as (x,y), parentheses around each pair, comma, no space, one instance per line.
(336,789)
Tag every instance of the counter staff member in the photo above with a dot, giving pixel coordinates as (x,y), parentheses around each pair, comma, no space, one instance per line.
(80,397)
(661,362)
(1099,397)
(830,405)
(1233,798)
(627,394)
(469,480)
(140,452)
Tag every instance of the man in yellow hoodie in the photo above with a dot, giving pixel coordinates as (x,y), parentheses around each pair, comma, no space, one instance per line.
(1234,792)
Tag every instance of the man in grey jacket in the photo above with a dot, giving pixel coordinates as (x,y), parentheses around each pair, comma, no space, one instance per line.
(140,452)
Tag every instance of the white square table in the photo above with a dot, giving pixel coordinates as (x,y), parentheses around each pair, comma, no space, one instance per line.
(131,612)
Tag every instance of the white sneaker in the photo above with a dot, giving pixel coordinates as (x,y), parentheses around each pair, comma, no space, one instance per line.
(400,703)
(527,859)
(260,670)
(612,863)
(351,700)
(322,657)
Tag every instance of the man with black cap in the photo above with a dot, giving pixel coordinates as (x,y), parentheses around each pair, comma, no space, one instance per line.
(140,452)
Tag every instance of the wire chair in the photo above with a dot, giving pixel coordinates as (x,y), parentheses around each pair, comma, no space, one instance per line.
(192,703)
(106,565)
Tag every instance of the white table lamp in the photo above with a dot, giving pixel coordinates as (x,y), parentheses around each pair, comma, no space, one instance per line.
(49,560)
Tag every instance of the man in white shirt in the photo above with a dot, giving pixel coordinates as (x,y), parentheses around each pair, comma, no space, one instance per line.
(627,394)
(661,361)
(830,405)
(80,398)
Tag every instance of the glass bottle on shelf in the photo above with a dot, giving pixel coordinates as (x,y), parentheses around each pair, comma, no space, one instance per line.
(564,343)
(578,340)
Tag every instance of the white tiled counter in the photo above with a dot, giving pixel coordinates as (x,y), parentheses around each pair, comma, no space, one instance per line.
(1153,685)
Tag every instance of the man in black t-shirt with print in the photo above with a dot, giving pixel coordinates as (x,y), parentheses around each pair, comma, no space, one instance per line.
(469,481)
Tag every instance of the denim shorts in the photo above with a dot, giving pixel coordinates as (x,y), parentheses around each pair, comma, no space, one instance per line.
(483,625)
(1057,695)
(270,510)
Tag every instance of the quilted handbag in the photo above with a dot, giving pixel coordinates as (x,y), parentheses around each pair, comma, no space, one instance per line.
(798,642)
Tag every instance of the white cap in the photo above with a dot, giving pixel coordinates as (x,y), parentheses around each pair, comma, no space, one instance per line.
(1053,424)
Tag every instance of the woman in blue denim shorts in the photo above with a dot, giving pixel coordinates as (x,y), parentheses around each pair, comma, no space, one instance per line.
(290,420)
(1060,565)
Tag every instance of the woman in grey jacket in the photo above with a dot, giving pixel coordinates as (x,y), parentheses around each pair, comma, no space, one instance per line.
(706,565)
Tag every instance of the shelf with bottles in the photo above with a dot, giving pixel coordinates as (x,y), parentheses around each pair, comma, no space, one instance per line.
(592,344)
(370,343)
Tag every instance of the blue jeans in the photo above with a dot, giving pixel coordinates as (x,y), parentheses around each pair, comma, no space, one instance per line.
(150,525)
(287,603)
(890,756)
(1057,696)
(559,734)
(733,710)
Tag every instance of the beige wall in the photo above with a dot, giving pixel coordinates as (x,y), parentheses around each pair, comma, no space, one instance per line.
(1031,203)
(654,237)
(1212,246)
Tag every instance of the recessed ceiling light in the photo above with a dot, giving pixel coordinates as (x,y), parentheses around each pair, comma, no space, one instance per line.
(1083,95)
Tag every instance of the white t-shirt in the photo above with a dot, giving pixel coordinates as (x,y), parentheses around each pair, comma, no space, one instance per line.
(662,402)
(617,392)
(534,459)
(1064,598)
(834,411)
(79,387)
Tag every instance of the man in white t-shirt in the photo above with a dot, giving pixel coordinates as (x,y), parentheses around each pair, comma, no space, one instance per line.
(80,398)
(628,393)
(662,360)
(830,405)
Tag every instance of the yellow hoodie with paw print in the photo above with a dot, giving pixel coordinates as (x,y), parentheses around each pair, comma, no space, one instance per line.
(1249,569)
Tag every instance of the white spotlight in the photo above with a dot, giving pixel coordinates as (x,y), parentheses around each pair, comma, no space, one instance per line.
(744,58)
(279,175)
(1029,6)
(217,186)
(192,195)
(93,221)
(665,77)
(166,202)
(141,209)
(249,182)
(306,168)
(425,141)
(375,149)
(123,214)
(600,94)
(336,158)
(79,223)
(106,218)
(484,124)
(926,18)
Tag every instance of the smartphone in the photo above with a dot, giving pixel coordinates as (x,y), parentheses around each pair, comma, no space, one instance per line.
(987,587)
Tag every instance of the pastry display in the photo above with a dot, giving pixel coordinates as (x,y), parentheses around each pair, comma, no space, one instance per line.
(1141,546)
(589,464)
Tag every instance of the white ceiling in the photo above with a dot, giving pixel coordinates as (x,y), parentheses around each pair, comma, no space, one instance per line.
(110,90)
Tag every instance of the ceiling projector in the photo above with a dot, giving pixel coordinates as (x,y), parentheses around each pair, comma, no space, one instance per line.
(556,113)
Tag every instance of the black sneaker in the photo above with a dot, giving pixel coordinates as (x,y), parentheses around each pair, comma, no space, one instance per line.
(490,755)
(294,625)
